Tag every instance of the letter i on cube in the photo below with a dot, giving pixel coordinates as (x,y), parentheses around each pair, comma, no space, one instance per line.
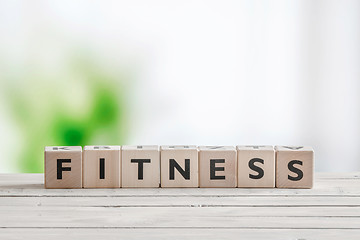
(101,166)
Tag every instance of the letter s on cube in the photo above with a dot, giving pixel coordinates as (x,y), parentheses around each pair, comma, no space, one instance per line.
(256,166)
(294,167)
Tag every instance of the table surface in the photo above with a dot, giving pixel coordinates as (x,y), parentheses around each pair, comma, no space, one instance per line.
(331,210)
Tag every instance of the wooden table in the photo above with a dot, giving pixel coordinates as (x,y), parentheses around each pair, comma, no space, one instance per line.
(331,210)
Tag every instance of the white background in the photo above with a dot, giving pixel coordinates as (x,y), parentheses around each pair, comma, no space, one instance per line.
(210,72)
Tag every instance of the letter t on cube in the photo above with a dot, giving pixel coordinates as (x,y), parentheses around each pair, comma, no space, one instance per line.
(140,166)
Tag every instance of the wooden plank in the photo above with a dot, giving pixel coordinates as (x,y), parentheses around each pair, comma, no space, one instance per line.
(32,185)
(169,233)
(331,210)
(246,211)
(180,233)
(182,201)
(341,175)
(347,188)
(159,217)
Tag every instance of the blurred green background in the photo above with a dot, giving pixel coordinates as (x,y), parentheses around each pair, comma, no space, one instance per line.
(89,109)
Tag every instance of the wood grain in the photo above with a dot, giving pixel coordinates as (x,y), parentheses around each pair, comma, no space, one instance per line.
(69,159)
(264,156)
(172,233)
(294,167)
(149,175)
(179,154)
(330,210)
(111,157)
(221,174)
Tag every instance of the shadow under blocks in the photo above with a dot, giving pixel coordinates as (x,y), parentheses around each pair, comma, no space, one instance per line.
(179,166)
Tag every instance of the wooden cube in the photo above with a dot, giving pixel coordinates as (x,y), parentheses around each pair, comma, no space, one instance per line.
(256,166)
(294,167)
(140,166)
(179,166)
(101,166)
(63,167)
(217,166)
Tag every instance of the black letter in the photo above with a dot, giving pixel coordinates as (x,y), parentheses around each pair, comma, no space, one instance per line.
(60,169)
(295,170)
(140,166)
(173,164)
(102,168)
(255,168)
(213,169)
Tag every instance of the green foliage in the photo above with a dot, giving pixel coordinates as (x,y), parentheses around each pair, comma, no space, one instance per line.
(46,117)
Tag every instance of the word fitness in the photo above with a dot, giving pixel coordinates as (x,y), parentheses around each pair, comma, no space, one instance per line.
(179,166)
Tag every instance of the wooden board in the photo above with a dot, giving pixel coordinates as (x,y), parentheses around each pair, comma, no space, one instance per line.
(331,210)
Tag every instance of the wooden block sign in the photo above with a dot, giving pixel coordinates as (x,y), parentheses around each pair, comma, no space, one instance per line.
(294,167)
(63,167)
(101,167)
(140,166)
(179,166)
(217,166)
(256,166)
